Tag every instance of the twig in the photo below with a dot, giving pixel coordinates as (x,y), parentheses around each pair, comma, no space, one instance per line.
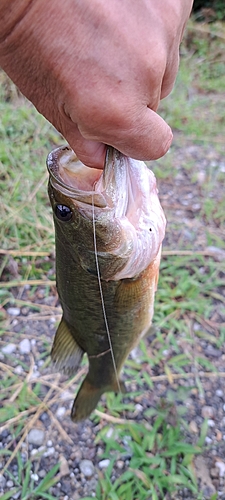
(176,376)
(18,417)
(63,433)
(110,418)
(24,253)
(205,253)
(17,283)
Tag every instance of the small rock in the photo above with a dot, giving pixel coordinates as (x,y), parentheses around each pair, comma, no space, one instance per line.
(219,393)
(120,464)
(25,346)
(87,468)
(65,487)
(212,351)
(36,436)
(211,423)
(218,253)
(9,348)
(49,443)
(13,311)
(42,473)
(49,452)
(221,466)
(64,468)
(136,355)
(208,412)
(9,483)
(18,369)
(219,435)
(60,411)
(35,477)
(214,472)
(104,463)
(208,440)
(138,407)
(34,452)
(2,481)
(193,427)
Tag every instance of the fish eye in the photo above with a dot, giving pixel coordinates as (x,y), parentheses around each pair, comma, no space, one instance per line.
(63,213)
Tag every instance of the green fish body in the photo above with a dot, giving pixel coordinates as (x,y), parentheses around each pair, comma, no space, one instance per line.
(117,208)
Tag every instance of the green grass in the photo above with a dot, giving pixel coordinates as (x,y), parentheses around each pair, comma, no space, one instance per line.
(189,303)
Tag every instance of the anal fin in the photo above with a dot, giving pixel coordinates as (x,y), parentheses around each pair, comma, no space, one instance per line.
(66,354)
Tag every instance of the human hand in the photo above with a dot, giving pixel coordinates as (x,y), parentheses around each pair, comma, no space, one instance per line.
(97,70)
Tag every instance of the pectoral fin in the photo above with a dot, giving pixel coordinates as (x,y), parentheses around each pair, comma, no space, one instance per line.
(66,354)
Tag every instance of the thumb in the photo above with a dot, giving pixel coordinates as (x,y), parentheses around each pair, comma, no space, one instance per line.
(149,138)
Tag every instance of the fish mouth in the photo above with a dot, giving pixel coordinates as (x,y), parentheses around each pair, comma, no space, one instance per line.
(74,179)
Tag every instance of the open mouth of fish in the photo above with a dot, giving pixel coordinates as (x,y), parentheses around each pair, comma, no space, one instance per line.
(125,200)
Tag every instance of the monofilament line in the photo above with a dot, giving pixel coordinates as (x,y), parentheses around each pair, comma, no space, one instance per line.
(102,297)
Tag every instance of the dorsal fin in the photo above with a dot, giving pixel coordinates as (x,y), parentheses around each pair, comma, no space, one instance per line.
(66,354)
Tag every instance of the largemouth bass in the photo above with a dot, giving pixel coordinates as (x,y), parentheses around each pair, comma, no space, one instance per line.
(114,214)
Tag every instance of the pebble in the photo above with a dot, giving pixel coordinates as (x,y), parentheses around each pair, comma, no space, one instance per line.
(219,435)
(49,452)
(193,427)
(87,468)
(2,481)
(18,369)
(60,411)
(64,467)
(36,436)
(9,483)
(214,472)
(219,393)
(211,423)
(35,477)
(42,473)
(208,412)
(138,407)
(221,466)
(104,463)
(136,355)
(13,311)
(25,346)
(9,348)
(120,464)
(212,351)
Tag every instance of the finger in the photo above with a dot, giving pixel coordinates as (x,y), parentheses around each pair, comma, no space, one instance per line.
(91,153)
(148,139)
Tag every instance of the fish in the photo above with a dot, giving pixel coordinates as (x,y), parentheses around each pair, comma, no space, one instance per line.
(109,228)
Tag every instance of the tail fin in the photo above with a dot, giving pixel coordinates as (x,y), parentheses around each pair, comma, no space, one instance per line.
(88,397)
(85,401)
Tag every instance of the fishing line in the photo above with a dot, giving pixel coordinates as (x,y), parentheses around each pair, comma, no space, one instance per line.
(102,297)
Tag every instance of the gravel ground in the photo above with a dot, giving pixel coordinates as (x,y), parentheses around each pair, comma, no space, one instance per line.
(52,437)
